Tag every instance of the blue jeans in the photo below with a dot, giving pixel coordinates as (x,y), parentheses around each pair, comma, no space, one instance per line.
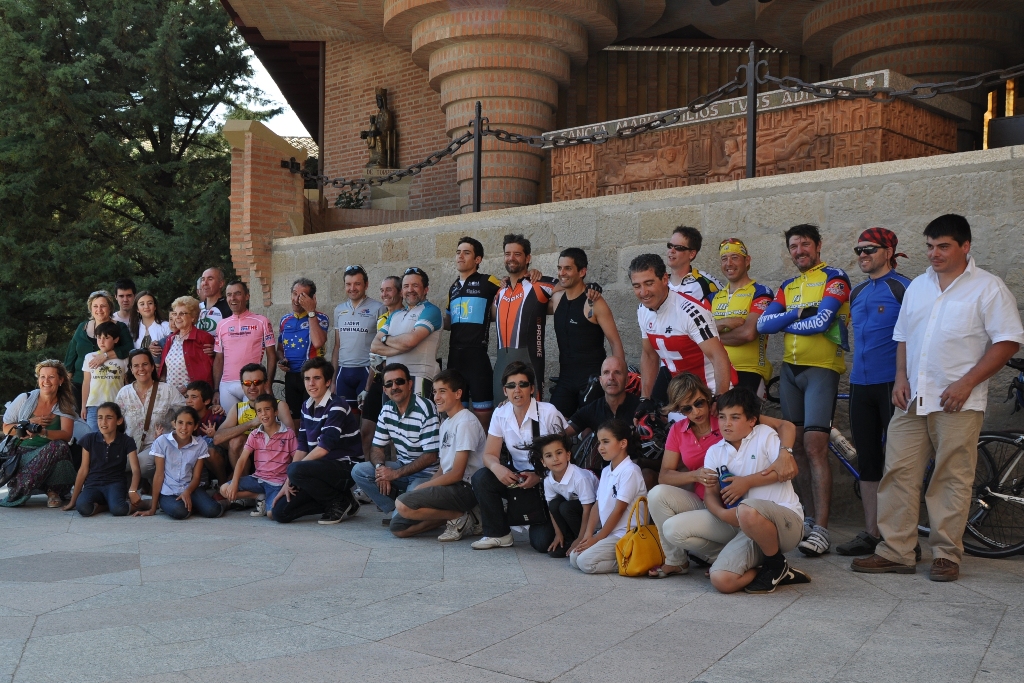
(251,484)
(363,474)
(202,504)
(114,496)
(90,418)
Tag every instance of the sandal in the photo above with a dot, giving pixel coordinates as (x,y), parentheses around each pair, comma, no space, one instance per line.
(53,500)
(660,573)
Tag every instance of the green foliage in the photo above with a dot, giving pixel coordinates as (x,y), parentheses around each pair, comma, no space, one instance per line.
(349,198)
(111,162)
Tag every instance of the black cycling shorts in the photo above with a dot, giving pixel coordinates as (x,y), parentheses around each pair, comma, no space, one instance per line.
(475,366)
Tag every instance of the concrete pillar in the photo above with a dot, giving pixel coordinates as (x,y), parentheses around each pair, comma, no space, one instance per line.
(512,59)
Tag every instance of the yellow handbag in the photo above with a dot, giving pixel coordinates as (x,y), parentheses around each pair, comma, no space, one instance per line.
(639,550)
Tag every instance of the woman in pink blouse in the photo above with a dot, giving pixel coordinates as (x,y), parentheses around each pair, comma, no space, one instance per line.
(682,478)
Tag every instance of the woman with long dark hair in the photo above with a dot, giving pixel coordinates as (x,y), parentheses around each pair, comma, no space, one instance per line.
(147,324)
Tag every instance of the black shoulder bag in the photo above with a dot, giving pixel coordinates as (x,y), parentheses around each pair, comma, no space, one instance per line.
(525,506)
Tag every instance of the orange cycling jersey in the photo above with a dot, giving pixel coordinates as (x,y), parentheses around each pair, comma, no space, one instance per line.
(522,310)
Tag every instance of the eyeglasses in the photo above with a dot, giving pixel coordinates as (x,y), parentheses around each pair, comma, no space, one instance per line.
(354,269)
(395,383)
(865,250)
(699,403)
(413,271)
(523,384)
(251,382)
(679,247)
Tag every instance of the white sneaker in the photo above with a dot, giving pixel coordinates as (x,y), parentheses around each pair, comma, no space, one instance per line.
(455,529)
(261,508)
(817,542)
(477,528)
(488,542)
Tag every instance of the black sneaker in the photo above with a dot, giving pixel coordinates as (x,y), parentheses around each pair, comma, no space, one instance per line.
(863,544)
(339,511)
(794,576)
(767,580)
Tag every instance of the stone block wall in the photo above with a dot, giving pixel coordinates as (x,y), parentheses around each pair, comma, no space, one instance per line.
(986,186)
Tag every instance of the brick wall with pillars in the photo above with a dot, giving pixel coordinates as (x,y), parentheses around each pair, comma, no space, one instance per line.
(266,200)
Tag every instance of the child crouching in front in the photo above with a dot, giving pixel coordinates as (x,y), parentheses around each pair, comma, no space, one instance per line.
(767,518)
(621,484)
(179,457)
(273,447)
(570,491)
(106,454)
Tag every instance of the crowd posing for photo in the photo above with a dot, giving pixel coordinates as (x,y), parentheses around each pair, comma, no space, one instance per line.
(178,416)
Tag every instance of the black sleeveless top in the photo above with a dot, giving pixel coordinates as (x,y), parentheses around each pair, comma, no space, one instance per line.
(580,342)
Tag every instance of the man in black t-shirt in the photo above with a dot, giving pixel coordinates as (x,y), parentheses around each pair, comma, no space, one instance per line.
(467,314)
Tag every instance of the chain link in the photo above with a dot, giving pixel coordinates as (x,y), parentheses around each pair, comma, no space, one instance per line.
(921,91)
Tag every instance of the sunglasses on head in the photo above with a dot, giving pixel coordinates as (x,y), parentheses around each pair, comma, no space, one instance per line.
(251,382)
(413,271)
(678,247)
(699,403)
(523,384)
(865,250)
(394,383)
(354,269)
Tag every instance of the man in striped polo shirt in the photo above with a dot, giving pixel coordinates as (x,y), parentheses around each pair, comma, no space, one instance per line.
(319,480)
(410,422)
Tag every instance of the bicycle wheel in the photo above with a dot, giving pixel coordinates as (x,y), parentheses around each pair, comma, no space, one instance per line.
(995,523)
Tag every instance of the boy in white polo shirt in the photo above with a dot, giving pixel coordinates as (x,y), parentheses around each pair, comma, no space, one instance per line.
(764,514)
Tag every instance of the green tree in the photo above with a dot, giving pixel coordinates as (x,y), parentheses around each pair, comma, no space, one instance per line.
(111,163)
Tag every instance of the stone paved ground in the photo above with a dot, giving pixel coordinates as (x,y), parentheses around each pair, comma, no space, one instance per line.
(242,599)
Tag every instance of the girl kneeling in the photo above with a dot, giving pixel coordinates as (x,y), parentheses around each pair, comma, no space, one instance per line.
(106,454)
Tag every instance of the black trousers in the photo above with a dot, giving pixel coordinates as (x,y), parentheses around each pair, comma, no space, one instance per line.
(568,515)
(870,411)
(320,484)
(491,495)
(294,393)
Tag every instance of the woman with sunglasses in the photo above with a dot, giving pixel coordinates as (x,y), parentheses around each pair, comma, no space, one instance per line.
(683,476)
(518,422)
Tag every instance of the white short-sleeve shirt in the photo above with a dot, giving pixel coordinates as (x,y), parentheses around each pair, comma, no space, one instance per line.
(514,434)
(625,483)
(463,432)
(577,484)
(756,452)
(947,332)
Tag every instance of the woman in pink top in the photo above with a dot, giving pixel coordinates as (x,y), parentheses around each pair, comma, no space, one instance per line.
(682,478)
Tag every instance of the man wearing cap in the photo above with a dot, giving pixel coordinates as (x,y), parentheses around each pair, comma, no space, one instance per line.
(874,307)
(736,309)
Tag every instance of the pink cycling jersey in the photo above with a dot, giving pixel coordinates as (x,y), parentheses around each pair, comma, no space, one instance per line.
(242,338)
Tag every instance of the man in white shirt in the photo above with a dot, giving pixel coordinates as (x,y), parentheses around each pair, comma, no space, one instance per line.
(958,326)
(124,290)
(448,495)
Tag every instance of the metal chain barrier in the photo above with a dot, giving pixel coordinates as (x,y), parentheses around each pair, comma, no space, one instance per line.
(920,91)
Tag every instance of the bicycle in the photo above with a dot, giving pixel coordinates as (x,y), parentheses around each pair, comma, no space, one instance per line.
(995,522)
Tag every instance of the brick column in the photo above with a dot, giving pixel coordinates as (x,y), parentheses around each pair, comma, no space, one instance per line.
(512,59)
(266,200)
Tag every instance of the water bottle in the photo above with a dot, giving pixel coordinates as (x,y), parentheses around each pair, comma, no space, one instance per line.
(842,445)
(724,474)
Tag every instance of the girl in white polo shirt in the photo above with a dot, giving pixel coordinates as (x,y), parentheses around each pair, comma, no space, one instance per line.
(570,491)
(621,484)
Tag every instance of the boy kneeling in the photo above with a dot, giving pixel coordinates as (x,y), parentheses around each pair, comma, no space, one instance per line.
(447,497)
(767,512)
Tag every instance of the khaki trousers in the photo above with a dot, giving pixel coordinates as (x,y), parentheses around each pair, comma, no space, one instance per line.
(912,441)
(684,524)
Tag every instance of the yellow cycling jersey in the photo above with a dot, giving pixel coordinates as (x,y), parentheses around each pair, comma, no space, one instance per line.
(824,349)
(752,356)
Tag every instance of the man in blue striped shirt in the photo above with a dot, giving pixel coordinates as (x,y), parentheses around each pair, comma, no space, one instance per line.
(410,422)
(320,480)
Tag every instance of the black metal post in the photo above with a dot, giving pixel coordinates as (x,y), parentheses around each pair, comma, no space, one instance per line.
(752,111)
(478,140)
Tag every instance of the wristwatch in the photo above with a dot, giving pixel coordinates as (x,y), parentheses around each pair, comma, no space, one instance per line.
(384,339)
(787,448)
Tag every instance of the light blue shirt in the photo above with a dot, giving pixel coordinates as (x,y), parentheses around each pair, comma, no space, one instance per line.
(179,462)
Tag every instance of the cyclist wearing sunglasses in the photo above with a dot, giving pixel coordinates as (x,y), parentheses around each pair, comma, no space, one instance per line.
(874,307)
(813,310)
(241,418)
(683,246)
(412,334)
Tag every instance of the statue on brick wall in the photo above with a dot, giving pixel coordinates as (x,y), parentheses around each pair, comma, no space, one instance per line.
(382,138)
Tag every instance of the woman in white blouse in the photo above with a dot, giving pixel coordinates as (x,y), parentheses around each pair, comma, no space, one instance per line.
(134,400)
(149,327)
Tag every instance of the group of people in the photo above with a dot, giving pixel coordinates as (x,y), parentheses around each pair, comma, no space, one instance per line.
(183,409)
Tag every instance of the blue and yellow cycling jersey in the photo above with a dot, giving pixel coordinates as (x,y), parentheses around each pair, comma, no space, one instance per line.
(753,298)
(820,337)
